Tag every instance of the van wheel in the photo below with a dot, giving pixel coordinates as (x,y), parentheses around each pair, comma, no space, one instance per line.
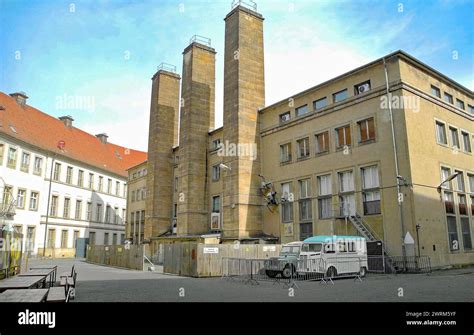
(363,271)
(271,274)
(332,272)
(287,271)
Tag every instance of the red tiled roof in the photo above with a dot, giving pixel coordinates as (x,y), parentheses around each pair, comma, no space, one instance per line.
(44,131)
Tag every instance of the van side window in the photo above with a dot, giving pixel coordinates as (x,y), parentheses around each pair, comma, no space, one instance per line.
(329,248)
(341,246)
(351,246)
(316,247)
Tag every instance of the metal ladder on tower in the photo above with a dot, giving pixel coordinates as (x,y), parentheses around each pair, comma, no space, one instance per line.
(371,236)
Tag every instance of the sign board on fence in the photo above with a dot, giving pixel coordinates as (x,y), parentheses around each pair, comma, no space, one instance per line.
(211,250)
(269,248)
(106,248)
(119,249)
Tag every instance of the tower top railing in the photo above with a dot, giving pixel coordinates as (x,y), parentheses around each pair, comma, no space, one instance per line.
(167,67)
(201,40)
(248,4)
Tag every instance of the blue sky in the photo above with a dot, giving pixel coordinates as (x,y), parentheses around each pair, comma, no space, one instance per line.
(107,50)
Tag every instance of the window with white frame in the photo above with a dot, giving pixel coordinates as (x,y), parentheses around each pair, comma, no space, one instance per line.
(285,153)
(57,171)
(301,110)
(324,196)
(25,162)
(34,197)
(11,159)
(286,203)
(38,165)
(346,190)
(303,147)
(445,173)
(370,190)
(454,137)
(441,133)
(20,198)
(78,214)
(459,181)
(305,200)
(466,141)
(216,173)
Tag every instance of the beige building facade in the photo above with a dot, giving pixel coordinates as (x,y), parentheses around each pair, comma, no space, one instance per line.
(365,153)
(136,203)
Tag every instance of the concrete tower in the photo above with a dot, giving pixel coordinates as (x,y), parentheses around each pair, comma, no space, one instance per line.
(163,135)
(244,94)
(197,118)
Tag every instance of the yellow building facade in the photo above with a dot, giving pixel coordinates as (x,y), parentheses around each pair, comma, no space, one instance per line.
(364,153)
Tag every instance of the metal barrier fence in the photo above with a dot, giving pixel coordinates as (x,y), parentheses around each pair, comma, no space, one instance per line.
(290,272)
(398,264)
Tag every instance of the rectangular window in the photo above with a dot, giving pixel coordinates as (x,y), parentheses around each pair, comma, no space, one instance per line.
(448,98)
(303,147)
(98,213)
(470,178)
(445,173)
(466,141)
(466,233)
(460,104)
(346,181)
(454,137)
(320,103)
(34,197)
(462,204)
(89,211)
(322,142)
(25,162)
(435,91)
(80,178)
(117,188)
(30,237)
(109,186)
(64,238)
(106,238)
(216,144)
(54,206)
(20,198)
(216,204)
(11,160)
(460,181)
(324,196)
(343,135)
(78,214)
(7,195)
(452,233)
(302,110)
(285,117)
(362,87)
(101,183)
(116,215)
(57,171)
(67,205)
(92,238)
(324,185)
(306,230)
(347,205)
(51,243)
(108,212)
(470,109)
(441,133)
(38,167)
(114,239)
(366,130)
(286,203)
(216,173)
(449,202)
(305,200)
(325,206)
(91,181)
(74,238)
(285,153)
(69,175)
(132,196)
(339,96)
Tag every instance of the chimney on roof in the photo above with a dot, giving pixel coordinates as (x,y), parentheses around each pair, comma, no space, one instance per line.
(102,137)
(20,98)
(67,120)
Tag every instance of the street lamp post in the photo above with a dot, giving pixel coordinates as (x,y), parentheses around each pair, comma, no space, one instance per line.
(418,238)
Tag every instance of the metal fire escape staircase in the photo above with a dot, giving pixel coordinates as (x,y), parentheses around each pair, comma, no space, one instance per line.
(364,229)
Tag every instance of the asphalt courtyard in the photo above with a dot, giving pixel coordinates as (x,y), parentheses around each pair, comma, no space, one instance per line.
(96,283)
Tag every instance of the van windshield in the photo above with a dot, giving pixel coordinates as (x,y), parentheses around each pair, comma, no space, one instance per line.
(290,250)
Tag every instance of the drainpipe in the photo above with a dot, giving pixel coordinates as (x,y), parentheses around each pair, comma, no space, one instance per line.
(395,156)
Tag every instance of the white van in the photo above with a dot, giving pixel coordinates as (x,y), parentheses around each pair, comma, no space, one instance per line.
(333,255)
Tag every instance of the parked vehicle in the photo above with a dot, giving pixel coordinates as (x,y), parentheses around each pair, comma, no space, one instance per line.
(333,255)
(329,255)
(285,264)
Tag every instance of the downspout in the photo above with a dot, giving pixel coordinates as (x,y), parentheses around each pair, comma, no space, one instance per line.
(395,157)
